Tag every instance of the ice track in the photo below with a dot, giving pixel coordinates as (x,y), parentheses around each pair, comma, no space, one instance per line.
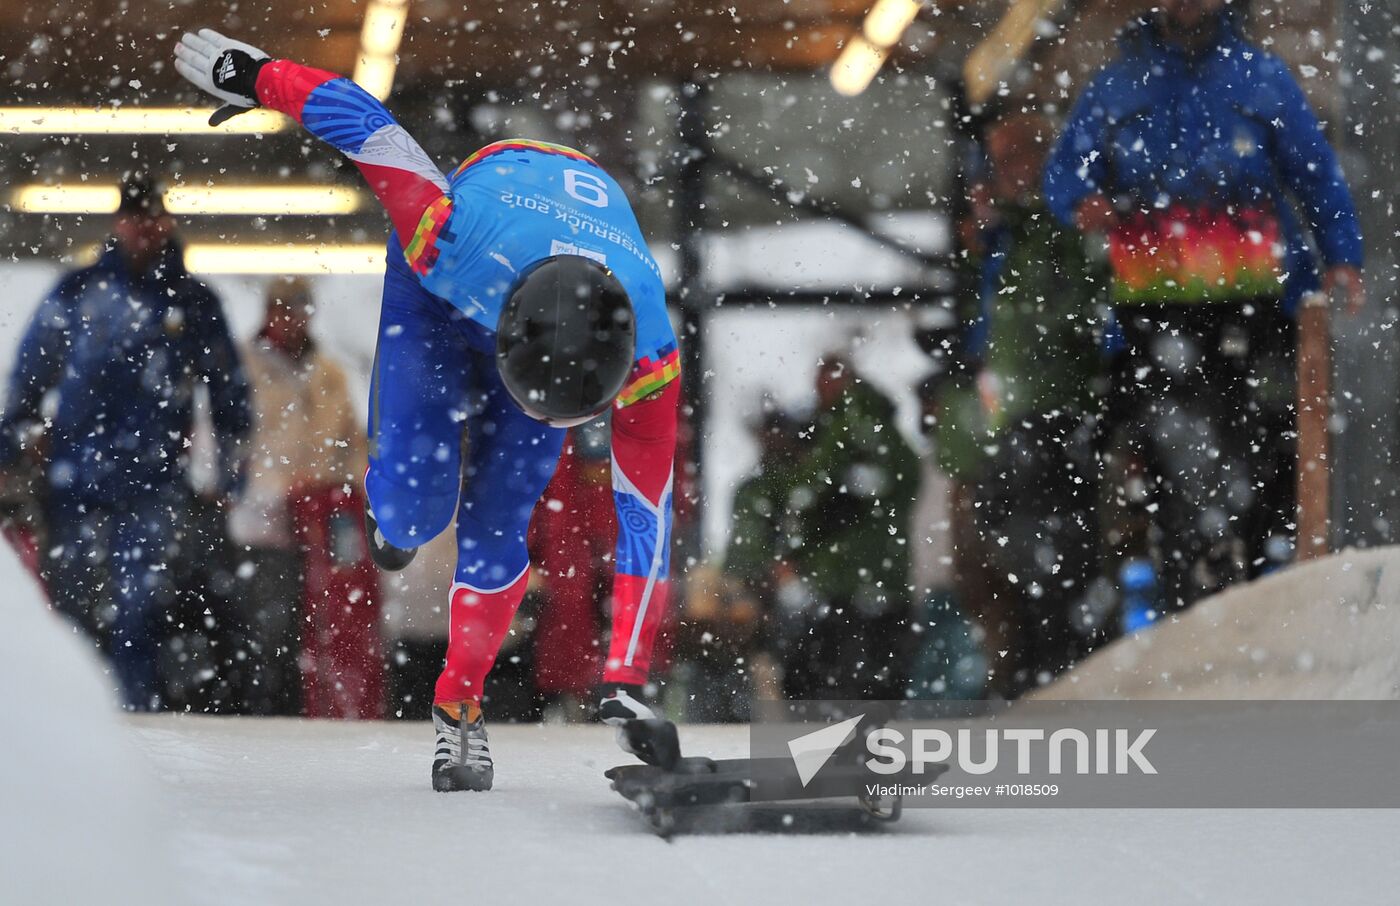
(173,809)
(289,811)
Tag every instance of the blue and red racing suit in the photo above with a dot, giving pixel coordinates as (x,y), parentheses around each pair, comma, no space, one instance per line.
(459,245)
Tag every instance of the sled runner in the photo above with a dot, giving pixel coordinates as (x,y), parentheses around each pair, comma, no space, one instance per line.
(698,783)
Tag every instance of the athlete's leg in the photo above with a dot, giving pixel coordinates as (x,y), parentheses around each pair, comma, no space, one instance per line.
(643,450)
(417,400)
(510,458)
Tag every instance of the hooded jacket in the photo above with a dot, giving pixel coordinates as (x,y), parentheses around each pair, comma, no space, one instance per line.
(1224,127)
(111,359)
(305,435)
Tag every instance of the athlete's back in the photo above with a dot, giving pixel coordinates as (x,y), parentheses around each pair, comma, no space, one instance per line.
(515,203)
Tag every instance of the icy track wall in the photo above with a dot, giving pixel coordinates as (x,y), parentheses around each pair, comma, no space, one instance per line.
(1329,629)
(82,817)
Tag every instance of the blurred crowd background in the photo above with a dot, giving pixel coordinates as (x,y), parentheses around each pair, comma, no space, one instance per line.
(989,328)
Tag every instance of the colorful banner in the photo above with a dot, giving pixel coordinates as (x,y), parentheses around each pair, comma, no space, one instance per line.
(1196,254)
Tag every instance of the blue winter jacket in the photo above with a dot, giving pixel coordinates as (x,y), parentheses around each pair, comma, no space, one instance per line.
(112,358)
(1224,126)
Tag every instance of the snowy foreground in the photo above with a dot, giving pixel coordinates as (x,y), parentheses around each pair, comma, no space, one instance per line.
(96,807)
(282,811)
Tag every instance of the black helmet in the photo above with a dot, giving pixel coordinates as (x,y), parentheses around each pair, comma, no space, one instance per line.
(566,340)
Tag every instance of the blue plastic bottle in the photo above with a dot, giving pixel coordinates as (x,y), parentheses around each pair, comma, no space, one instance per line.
(1138,579)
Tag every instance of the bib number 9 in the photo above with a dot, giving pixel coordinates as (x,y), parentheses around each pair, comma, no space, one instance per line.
(586,187)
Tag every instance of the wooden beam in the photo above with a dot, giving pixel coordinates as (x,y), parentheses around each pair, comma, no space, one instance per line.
(990,61)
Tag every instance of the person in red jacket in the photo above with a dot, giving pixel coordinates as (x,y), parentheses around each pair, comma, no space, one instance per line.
(569,538)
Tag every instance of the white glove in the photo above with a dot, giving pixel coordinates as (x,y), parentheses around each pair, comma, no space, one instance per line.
(223,67)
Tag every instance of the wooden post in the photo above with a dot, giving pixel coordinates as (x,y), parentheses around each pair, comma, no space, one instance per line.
(1314,441)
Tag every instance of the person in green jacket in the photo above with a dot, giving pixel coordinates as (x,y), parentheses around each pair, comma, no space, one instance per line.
(857,484)
(1029,412)
(761,525)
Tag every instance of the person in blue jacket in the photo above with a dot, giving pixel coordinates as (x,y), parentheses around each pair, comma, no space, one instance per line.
(103,395)
(1197,156)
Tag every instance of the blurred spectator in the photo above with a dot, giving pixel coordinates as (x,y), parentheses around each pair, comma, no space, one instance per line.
(103,392)
(726,665)
(1184,152)
(950,660)
(723,661)
(939,335)
(759,555)
(855,490)
(571,543)
(305,437)
(342,652)
(206,662)
(1036,358)
(958,432)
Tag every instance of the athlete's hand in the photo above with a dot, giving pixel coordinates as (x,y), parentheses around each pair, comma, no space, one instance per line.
(223,67)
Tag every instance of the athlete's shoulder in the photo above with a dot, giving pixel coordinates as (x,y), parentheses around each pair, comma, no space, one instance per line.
(516,202)
(520,149)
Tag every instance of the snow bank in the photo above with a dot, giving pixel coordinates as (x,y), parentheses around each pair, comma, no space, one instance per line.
(1329,629)
(81,819)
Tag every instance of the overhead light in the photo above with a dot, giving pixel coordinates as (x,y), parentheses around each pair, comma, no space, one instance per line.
(887,20)
(66,199)
(236,258)
(379,44)
(269,199)
(376,75)
(854,70)
(272,199)
(131,121)
(865,53)
(383,28)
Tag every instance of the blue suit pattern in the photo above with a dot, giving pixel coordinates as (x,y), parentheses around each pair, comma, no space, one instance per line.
(435,369)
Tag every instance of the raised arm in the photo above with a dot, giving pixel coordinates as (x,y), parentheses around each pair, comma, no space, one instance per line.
(1309,168)
(1077,166)
(340,113)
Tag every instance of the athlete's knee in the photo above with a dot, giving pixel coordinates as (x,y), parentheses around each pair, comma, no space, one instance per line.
(490,555)
(510,481)
(408,516)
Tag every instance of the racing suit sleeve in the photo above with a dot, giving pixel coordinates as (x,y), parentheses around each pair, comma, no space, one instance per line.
(1310,169)
(643,454)
(1077,166)
(337,111)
